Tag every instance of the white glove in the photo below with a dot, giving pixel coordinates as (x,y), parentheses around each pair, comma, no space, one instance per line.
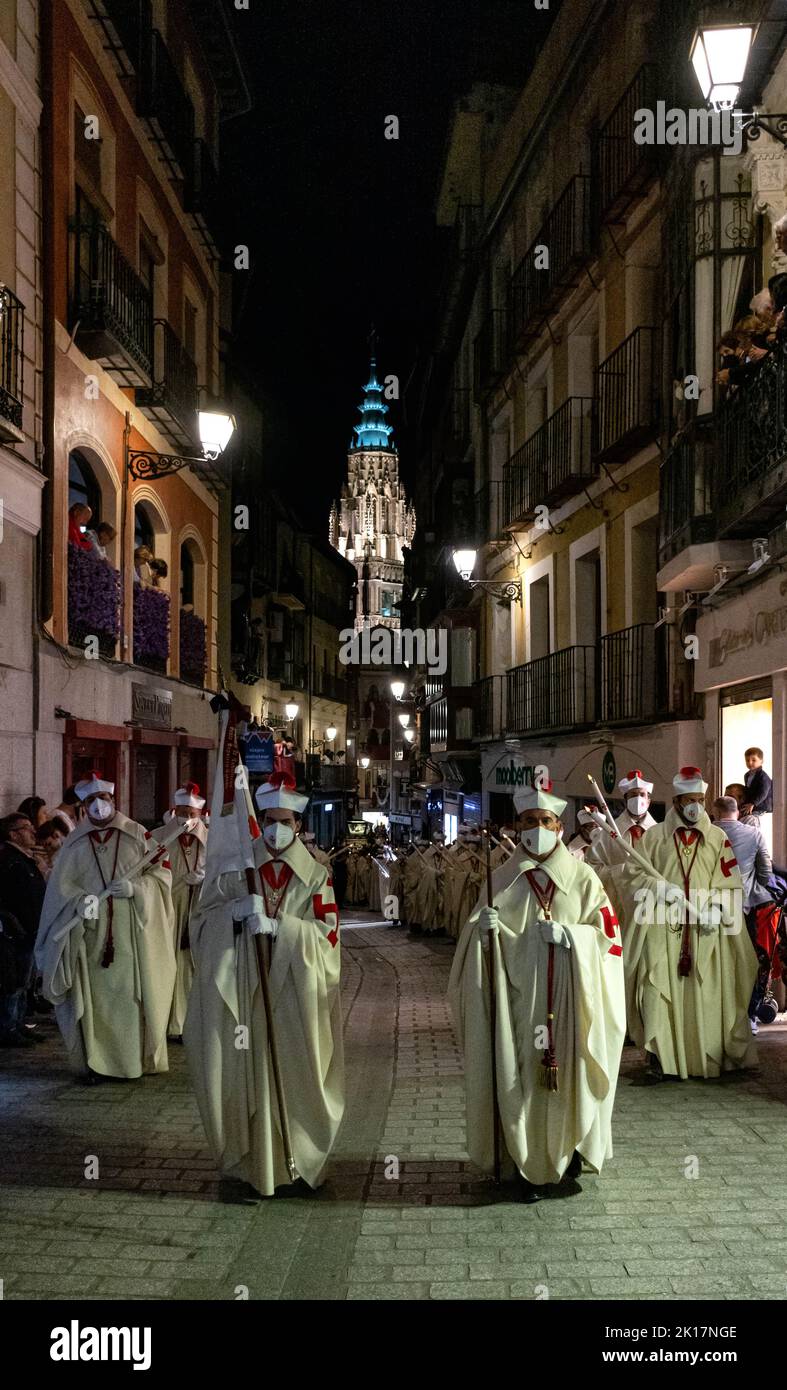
(709,918)
(488,920)
(555,935)
(252,906)
(192,880)
(120,888)
(260,925)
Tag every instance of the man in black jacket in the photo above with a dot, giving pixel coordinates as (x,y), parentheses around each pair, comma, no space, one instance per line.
(22,888)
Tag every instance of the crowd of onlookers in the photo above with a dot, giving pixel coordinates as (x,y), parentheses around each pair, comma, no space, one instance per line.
(30,839)
(149,571)
(744,348)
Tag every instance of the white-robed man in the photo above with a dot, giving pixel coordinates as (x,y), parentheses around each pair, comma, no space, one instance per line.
(559,1003)
(187,862)
(695,969)
(226,1033)
(111,975)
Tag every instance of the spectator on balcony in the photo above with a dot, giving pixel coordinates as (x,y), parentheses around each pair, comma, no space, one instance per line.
(103,536)
(158,571)
(142,571)
(78,517)
(744,349)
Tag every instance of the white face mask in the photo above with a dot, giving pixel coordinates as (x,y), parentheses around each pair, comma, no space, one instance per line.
(637,805)
(101,810)
(539,840)
(278,836)
(692,811)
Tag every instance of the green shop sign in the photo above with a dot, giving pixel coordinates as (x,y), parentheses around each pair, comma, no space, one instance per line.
(608,772)
(514,775)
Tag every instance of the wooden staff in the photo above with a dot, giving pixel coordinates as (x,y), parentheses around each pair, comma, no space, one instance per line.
(254,886)
(493,1012)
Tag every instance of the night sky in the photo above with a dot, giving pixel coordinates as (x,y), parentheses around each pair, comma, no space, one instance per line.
(341,220)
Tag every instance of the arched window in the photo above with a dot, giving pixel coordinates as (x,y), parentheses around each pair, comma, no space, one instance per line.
(82,485)
(143,529)
(186,576)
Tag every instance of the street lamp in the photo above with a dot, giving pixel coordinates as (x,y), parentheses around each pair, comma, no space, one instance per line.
(330,733)
(404,720)
(215,429)
(464,561)
(397,689)
(365,762)
(719,54)
(409,735)
(291,710)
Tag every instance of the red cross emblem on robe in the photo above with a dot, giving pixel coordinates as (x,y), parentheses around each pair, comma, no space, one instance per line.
(727,864)
(612,930)
(323,911)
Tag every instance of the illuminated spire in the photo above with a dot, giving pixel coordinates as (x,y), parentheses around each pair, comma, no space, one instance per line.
(373,432)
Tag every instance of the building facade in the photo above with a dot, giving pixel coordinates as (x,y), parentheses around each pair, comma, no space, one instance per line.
(21,474)
(576,307)
(135,98)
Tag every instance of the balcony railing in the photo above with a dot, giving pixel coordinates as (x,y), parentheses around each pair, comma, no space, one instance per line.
(559,691)
(750,466)
(490,707)
(567,238)
(93,601)
(490,352)
(552,464)
(685,510)
(111,309)
(627,403)
(127,25)
(634,685)
(151,628)
(624,167)
(193,648)
(12,327)
(203,195)
(171,401)
(162,101)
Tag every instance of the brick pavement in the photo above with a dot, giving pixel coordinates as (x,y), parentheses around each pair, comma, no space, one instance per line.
(403,1214)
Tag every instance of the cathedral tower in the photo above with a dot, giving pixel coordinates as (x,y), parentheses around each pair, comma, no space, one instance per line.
(372,521)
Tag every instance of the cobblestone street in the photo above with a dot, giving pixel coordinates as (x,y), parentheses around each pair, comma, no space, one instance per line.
(152,1224)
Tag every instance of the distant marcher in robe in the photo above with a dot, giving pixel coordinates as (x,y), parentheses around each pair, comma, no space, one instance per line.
(226,1032)
(110,977)
(559,1002)
(187,862)
(695,970)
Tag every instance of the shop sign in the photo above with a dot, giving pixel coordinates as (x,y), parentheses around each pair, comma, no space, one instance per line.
(257,751)
(397,819)
(513,774)
(765,625)
(152,708)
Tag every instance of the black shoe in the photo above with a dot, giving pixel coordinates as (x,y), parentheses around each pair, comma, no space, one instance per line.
(17,1040)
(30,1031)
(527,1192)
(42,1006)
(575,1166)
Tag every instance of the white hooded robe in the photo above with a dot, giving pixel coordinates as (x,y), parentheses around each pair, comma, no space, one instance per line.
(113,1017)
(233,1082)
(541,1129)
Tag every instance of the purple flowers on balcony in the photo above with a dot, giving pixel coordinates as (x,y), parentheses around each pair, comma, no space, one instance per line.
(193,647)
(93,600)
(151,627)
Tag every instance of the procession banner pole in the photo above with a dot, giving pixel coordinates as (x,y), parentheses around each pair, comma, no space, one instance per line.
(493,1011)
(171,833)
(628,849)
